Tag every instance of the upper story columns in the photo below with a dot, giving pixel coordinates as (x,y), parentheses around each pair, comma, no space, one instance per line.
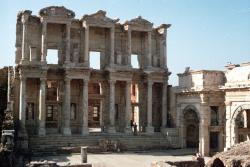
(25,19)
(99,19)
(162,30)
(139,25)
(44,42)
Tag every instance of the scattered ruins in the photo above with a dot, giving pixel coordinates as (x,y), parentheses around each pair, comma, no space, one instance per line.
(72,103)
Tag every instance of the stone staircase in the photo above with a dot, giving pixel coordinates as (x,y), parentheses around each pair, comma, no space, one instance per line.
(56,144)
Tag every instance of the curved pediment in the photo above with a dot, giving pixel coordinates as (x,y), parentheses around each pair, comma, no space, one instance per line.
(100,17)
(56,11)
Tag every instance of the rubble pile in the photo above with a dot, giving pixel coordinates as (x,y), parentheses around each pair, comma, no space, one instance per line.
(238,155)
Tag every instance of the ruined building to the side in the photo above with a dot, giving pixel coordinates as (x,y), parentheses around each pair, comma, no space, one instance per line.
(126,98)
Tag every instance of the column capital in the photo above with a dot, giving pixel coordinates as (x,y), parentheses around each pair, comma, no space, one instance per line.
(129,82)
(25,17)
(85,80)
(67,79)
(150,82)
(228,103)
(43,79)
(112,81)
(22,77)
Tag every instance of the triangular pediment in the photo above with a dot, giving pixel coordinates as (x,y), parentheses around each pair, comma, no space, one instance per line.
(99,16)
(56,11)
(139,21)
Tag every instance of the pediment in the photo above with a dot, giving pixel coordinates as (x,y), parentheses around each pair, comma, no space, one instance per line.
(56,11)
(100,17)
(139,21)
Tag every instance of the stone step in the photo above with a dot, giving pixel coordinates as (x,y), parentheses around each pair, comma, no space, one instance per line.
(54,144)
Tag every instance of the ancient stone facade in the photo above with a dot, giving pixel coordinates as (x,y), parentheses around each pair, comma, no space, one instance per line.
(69,97)
(72,98)
(211,108)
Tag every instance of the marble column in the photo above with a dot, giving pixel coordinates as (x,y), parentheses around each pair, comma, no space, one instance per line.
(44,42)
(128,109)
(86,48)
(67,59)
(228,126)
(163,51)
(22,102)
(164,107)
(24,58)
(111,128)
(42,108)
(204,131)
(149,56)
(85,98)
(66,108)
(112,46)
(129,50)
(149,128)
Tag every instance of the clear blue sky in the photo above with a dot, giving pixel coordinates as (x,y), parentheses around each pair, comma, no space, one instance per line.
(205,34)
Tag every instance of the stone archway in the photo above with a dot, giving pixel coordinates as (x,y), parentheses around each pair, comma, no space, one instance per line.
(191,127)
(240,124)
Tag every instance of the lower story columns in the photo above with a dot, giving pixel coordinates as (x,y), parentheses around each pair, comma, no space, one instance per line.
(111,127)
(149,128)
(42,110)
(85,128)
(128,109)
(66,108)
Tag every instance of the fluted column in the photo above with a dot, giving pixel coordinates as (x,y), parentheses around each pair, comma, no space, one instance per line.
(42,108)
(149,128)
(149,56)
(25,18)
(128,107)
(22,102)
(66,107)
(85,98)
(112,46)
(86,49)
(111,128)
(129,46)
(44,42)
(164,106)
(67,59)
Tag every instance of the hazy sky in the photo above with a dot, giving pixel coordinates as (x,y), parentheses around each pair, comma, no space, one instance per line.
(205,34)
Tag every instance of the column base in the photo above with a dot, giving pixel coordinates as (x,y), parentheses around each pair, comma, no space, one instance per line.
(41,132)
(24,62)
(150,130)
(111,129)
(66,131)
(128,130)
(85,131)
(164,130)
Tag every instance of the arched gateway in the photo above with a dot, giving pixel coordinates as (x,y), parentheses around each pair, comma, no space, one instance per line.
(240,124)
